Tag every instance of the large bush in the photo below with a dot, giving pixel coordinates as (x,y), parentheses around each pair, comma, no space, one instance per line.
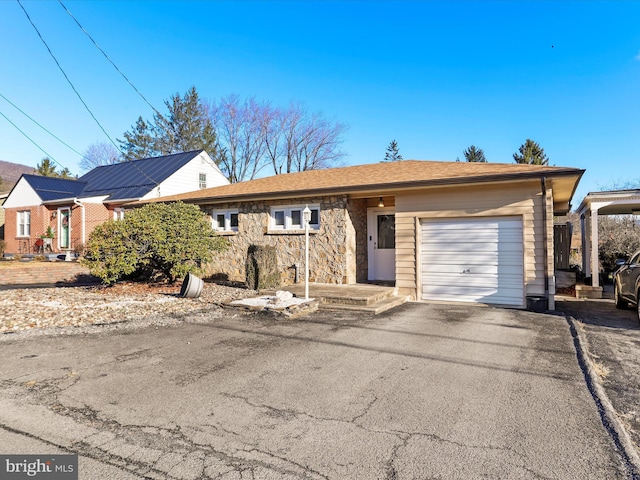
(619,236)
(152,242)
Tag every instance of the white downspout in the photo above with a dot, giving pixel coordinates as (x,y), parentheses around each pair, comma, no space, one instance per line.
(81,205)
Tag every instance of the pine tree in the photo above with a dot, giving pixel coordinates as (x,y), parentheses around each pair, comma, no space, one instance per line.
(139,142)
(474,154)
(531,153)
(46,168)
(186,127)
(393,154)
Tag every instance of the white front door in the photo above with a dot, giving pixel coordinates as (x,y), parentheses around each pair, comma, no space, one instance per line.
(64,228)
(382,243)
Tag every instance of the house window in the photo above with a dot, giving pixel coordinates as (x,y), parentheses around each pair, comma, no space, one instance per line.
(202,180)
(24,223)
(225,220)
(118,213)
(291,218)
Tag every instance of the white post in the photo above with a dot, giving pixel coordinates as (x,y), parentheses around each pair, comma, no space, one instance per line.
(306,214)
(595,264)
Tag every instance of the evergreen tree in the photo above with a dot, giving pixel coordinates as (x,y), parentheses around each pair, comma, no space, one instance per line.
(186,127)
(474,154)
(46,168)
(64,173)
(139,142)
(392,154)
(531,153)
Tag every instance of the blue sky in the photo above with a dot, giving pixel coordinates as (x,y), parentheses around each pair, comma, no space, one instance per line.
(435,76)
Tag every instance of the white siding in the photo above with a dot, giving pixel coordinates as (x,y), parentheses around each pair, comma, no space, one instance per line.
(187,178)
(22,195)
(473,260)
(518,199)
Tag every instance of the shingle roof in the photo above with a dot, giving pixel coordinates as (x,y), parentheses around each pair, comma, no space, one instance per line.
(120,181)
(53,188)
(128,180)
(376,176)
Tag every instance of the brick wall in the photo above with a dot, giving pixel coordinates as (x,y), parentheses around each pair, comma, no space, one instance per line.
(43,217)
(34,273)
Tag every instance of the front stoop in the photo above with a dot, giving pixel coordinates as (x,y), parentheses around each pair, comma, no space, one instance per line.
(359,298)
(376,308)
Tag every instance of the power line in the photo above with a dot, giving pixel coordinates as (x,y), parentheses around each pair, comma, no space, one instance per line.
(41,126)
(109,59)
(65,75)
(32,141)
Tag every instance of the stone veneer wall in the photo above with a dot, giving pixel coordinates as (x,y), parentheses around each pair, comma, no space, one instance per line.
(335,252)
(357,212)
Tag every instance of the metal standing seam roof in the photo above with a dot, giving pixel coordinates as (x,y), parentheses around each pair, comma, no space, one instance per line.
(127,180)
(54,188)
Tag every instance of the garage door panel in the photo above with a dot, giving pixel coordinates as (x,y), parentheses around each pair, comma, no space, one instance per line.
(476,236)
(490,298)
(482,269)
(473,260)
(481,281)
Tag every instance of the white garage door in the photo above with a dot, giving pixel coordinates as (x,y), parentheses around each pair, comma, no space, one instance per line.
(473,260)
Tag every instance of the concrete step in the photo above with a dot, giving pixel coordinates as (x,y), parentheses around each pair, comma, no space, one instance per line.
(363,299)
(382,305)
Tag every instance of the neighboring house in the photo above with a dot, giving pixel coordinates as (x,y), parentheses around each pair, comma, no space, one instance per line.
(73,208)
(3,197)
(455,231)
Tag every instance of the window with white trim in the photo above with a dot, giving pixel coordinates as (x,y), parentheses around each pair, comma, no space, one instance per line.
(225,220)
(24,223)
(202,180)
(290,217)
(118,213)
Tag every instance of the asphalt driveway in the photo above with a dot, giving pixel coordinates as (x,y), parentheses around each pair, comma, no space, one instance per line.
(427,391)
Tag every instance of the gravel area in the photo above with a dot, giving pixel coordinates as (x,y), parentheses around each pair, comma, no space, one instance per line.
(65,310)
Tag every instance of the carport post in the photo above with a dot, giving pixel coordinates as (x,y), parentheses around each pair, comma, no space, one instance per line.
(595,269)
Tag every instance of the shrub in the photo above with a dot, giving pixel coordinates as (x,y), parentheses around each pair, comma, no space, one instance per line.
(3,247)
(155,241)
(619,236)
(262,267)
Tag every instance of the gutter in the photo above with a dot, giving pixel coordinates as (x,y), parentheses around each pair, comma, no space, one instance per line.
(543,186)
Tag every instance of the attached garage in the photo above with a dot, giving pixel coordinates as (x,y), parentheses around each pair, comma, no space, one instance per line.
(473,260)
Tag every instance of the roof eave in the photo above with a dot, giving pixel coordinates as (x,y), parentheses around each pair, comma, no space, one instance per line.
(385,187)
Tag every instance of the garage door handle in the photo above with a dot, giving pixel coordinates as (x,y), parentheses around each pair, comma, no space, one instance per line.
(468,270)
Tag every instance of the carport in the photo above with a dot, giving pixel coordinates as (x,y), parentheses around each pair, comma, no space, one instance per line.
(614,202)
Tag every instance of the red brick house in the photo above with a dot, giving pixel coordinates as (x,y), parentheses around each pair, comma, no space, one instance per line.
(72,208)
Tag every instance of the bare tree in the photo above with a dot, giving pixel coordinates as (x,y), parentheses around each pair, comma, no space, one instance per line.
(255,134)
(300,141)
(98,154)
(241,135)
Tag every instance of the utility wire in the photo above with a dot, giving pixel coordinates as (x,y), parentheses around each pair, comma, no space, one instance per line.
(41,126)
(109,59)
(32,141)
(65,75)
